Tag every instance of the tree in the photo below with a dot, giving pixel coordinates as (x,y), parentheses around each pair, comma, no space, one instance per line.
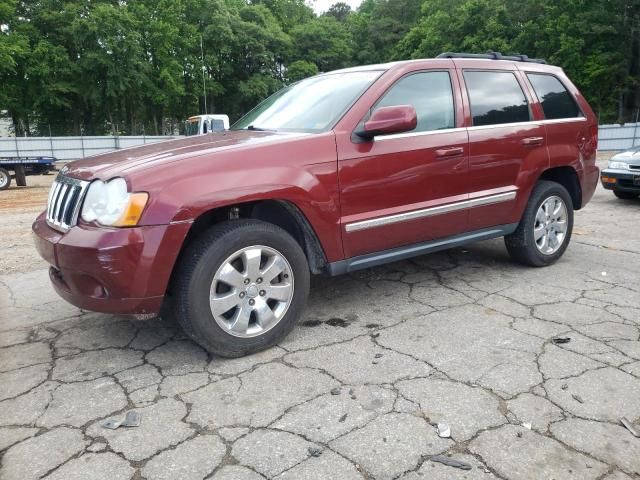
(301,69)
(325,42)
(340,11)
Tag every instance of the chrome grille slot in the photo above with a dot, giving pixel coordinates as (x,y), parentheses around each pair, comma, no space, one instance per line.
(65,199)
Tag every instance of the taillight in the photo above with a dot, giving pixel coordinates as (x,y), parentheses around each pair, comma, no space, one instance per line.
(594,136)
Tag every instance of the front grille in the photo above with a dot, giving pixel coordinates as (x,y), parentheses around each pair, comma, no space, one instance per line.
(65,199)
(634,167)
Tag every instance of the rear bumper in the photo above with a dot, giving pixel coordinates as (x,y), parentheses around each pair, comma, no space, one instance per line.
(621,180)
(589,183)
(117,270)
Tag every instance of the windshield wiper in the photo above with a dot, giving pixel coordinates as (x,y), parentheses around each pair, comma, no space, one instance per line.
(257,129)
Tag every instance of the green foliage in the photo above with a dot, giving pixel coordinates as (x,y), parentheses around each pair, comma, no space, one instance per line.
(301,69)
(323,41)
(102,66)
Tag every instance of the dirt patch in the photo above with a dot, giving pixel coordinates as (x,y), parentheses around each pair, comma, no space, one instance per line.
(19,206)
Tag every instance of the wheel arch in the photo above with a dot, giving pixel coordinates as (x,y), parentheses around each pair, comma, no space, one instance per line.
(568,178)
(282,213)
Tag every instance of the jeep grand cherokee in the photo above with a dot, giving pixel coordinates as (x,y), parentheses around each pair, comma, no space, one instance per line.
(341,171)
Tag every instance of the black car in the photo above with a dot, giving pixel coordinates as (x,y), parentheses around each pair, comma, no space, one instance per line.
(622,175)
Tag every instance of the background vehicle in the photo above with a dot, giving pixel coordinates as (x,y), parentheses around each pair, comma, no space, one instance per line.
(335,173)
(622,175)
(23,166)
(202,124)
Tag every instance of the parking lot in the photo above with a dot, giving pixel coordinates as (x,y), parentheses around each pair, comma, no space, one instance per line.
(464,337)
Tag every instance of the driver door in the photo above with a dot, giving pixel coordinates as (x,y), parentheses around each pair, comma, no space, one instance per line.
(406,188)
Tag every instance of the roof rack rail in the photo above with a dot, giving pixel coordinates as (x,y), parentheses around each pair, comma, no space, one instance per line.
(492,56)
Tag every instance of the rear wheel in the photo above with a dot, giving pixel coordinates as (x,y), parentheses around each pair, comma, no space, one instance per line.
(240,287)
(545,229)
(625,195)
(5,179)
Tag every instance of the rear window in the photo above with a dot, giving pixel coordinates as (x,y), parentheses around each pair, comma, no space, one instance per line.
(556,101)
(496,97)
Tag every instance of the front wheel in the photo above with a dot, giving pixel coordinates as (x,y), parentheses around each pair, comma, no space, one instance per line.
(545,229)
(240,287)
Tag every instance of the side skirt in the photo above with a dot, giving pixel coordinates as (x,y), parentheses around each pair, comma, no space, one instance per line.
(400,253)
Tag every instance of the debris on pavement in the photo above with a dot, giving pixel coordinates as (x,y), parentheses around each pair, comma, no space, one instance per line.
(342,418)
(315,451)
(451,462)
(577,398)
(564,386)
(559,340)
(131,419)
(444,431)
(378,355)
(526,425)
(335,391)
(629,426)
(604,274)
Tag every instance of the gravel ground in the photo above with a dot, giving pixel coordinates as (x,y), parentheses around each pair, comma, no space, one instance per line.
(463,337)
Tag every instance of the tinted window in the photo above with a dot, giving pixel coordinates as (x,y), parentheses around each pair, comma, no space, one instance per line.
(496,97)
(430,94)
(556,101)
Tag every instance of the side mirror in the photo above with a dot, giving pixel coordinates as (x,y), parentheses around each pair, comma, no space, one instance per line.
(386,120)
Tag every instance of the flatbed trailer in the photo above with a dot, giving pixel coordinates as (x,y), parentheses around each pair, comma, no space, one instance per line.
(23,166)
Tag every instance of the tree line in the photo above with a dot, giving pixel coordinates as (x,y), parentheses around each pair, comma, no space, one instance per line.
(93,67)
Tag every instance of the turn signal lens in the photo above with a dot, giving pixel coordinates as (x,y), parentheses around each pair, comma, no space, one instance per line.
(609,180)
(133,210)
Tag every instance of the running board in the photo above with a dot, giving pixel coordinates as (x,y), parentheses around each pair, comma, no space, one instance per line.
(395,254)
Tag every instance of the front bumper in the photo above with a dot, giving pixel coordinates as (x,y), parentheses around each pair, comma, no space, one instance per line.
(621,180)
(111,270)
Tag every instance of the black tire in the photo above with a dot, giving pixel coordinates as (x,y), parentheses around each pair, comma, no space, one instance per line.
(195,272)
(21,176)
(625,195)
(521,244)
(5,179)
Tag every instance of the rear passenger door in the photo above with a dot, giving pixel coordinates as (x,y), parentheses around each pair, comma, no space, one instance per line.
(507,146)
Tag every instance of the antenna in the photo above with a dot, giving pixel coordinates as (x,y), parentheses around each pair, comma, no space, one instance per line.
(204,82)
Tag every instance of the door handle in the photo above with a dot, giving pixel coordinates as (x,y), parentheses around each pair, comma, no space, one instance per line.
(532,141)
(449,152)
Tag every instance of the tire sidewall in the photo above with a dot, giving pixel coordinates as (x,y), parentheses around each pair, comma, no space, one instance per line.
(7,179)
(205,328)
(540,195)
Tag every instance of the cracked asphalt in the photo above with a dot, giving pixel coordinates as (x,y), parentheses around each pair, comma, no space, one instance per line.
(464,337)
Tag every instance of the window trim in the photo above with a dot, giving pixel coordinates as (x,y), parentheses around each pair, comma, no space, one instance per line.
(467,91)
(533,89)
(392,136)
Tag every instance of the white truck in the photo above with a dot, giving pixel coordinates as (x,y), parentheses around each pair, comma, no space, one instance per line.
(203,124)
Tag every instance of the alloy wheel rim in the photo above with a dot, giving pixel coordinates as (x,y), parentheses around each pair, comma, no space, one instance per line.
(550,227)
(3,179)
(251,291)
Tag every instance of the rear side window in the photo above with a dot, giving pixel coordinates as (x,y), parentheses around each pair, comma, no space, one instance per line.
(430,94)
(496,97)
(556,101)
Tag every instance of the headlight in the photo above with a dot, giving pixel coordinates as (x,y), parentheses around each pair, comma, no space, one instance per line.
(111,204)
(618,165)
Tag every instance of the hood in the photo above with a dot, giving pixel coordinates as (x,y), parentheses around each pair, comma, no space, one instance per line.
(631,155)
(119,162)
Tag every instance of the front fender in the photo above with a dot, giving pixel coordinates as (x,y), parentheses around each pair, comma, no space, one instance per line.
(302,171)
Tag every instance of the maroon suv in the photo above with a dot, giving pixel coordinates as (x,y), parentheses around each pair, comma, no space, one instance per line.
(338,172)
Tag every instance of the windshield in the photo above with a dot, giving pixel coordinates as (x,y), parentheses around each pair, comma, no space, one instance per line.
(311,105)
(191,127)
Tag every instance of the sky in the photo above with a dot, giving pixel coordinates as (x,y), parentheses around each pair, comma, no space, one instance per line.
(320,6)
